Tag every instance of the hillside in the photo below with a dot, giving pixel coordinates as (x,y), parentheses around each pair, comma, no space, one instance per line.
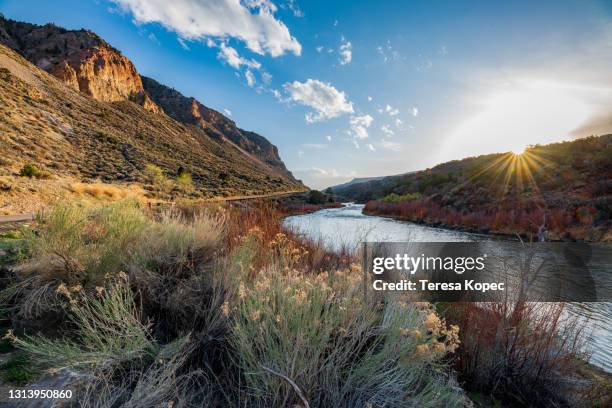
(68,134)
(214,124)
(567,187)
(86,117)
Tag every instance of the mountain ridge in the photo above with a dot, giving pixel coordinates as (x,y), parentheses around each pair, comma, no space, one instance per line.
(85,62)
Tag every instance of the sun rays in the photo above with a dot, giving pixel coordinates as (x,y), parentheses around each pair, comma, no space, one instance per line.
(512,171)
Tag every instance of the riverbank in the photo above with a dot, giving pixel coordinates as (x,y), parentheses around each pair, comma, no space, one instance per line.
(582,233)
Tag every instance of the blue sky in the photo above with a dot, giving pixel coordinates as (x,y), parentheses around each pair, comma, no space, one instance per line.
(366,88)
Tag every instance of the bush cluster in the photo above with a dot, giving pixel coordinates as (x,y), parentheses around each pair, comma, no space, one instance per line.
(211,307)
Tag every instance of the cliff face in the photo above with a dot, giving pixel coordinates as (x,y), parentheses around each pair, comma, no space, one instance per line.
(85,62)
(80,59)
(190,111)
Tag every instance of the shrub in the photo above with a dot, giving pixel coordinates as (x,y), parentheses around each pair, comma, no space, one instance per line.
(29,170)
(395,198)
(79,245)
(314,338)
(519,351)
(155,176)
(109,331)
(18,369)
(316,197)
(184,181)
(268,327)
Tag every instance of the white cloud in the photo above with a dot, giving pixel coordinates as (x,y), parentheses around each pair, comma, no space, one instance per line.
(252,22)
(387,130)
(230,55)
(295,9)
(183,44)
(326,101)
(300,153)
(356,144)
(314,146)
(227,112)
(346,52)
(369,99)
(386,144)
(371,147)
(276,93)
(329,138)
(360,125)
(391,111)
(335,23)
(415,111)
(266,78)
(250,78)
(398,122)
(319,49)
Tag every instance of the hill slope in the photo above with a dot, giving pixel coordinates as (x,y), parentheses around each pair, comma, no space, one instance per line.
(68,134)
(219,127)
(567,187)
(86,63)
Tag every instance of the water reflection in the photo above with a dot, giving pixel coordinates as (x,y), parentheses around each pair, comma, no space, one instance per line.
(348,227)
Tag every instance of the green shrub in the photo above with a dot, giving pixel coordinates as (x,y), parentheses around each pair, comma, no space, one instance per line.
(314,338)
(29,170)
(18,370)
(396,198)
(109,331)
(184,181)
(316,197)
(75,244)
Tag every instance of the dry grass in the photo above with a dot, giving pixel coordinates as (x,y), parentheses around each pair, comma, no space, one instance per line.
(212,316)
(99,190)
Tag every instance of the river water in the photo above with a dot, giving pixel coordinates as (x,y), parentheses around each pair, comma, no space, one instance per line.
(348,227)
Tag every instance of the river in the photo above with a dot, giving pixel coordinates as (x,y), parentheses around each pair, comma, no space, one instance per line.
(348,226)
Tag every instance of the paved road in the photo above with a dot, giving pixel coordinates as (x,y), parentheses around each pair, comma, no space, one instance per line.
(4,219)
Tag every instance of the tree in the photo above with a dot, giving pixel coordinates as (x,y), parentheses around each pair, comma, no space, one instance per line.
(316,197)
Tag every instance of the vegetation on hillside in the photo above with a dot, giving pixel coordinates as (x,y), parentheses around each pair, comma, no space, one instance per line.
(566,188)
(50,131)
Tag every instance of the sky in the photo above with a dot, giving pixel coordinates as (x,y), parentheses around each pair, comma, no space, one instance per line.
(369,88)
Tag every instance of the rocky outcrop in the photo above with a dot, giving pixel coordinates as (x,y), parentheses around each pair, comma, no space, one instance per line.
(85,62)
(80,59)
(190,111)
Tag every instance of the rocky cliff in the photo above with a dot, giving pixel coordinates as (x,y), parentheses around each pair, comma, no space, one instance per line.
(86,63)
(80,59)
(190,111)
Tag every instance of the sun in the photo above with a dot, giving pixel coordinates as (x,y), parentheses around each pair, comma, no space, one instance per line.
(518,150)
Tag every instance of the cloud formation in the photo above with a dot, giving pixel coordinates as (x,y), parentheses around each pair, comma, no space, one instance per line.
(252,22)
(387,130)
(391,111)
(250,78)
(346,52)
(325,100)
(360,125)
(230,55)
